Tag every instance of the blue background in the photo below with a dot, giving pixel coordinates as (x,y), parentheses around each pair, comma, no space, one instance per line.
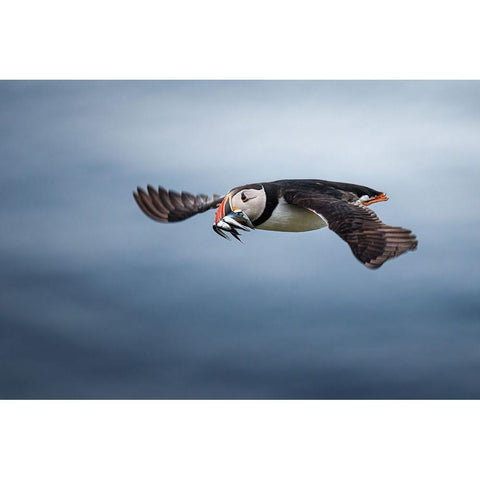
(98,301)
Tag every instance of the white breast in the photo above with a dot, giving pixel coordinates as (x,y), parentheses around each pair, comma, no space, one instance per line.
(290,218)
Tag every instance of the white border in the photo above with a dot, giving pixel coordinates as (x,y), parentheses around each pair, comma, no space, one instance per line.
(239,439)
(304,39)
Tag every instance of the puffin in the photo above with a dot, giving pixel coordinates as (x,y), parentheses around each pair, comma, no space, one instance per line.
(290,206)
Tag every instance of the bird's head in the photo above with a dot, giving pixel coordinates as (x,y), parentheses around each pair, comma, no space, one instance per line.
(240,207)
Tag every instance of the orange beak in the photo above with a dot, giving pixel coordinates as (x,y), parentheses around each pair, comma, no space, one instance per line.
(223,209)
(379,198)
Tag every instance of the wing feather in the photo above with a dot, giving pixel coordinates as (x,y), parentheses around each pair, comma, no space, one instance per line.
(371,241)
(170,206)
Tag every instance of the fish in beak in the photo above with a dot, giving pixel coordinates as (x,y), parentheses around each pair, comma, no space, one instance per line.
(228,219)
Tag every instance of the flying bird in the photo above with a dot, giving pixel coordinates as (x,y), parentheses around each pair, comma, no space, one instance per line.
(290,206)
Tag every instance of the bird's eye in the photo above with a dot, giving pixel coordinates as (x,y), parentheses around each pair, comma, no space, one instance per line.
(244,197)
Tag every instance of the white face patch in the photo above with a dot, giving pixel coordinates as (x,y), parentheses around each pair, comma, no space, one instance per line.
(250,201)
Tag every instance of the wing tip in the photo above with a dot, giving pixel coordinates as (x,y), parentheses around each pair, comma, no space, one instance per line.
(377,262)
(145,203)
(168,206)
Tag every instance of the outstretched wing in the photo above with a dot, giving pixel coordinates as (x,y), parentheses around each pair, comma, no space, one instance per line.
(371,241)
(170,206)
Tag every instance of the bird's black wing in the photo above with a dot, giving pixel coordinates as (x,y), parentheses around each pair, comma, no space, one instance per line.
(170,206)
(371,241)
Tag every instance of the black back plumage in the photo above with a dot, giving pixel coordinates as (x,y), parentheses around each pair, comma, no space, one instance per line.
(339,190)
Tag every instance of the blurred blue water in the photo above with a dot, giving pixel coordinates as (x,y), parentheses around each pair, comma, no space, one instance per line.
(97,301)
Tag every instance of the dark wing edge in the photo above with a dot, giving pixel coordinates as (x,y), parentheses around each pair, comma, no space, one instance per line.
(170,206)
(371,241)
